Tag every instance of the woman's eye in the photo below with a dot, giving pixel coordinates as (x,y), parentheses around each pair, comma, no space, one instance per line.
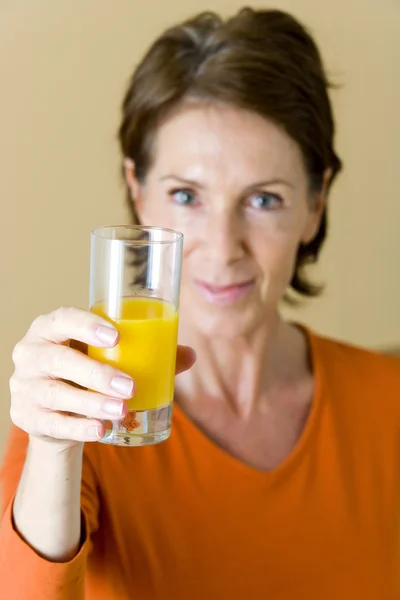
(265,201)
(183,197)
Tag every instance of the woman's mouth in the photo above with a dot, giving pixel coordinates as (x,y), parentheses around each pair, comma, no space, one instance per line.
(224,294)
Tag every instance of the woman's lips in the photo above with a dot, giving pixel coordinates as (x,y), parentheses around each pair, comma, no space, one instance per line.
(224,294)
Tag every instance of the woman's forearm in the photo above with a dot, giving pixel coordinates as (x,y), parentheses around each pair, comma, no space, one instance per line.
(47,511)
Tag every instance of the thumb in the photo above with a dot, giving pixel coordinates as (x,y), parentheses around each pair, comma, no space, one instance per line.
(185,359)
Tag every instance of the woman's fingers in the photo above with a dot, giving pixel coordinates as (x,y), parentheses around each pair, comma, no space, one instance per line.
(68,323)
(41,403)
(44,423)
(55,395)
(62,362)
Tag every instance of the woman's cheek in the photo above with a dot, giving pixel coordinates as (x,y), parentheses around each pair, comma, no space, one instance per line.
(189,222)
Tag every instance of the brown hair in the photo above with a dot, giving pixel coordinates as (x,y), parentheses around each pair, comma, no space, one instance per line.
(262,61)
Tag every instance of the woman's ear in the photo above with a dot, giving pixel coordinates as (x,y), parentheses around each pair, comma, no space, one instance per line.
(130,178)
(317,209)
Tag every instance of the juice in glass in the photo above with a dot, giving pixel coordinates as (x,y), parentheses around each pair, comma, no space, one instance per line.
(146,351)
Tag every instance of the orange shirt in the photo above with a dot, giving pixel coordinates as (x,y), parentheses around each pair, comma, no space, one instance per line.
(184,520)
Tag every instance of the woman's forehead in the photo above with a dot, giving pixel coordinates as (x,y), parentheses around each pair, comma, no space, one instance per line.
(203,139)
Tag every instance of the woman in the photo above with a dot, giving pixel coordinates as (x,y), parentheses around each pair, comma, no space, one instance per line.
(281,478)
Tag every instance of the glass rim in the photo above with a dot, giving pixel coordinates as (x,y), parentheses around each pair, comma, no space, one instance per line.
(176,236)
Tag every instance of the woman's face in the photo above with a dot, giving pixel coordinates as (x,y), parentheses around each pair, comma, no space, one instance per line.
(235,185)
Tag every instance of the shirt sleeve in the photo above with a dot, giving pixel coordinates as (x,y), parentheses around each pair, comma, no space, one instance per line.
(23,572)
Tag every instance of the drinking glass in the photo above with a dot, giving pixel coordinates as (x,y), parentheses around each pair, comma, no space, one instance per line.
(135,277)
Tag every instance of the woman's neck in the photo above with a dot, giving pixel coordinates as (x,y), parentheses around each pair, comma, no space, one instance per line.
(243,372)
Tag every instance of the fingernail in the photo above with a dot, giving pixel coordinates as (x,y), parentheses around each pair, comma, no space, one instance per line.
(107,335)
(113,408)
(94,432)
(122,385)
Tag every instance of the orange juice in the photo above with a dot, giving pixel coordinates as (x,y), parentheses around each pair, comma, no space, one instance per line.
(146,350)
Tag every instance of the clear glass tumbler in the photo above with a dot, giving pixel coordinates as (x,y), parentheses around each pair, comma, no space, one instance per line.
(135,277)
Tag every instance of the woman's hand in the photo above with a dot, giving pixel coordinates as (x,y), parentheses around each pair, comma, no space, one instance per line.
(48,394)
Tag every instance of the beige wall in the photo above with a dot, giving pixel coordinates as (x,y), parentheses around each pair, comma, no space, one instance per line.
(63,66)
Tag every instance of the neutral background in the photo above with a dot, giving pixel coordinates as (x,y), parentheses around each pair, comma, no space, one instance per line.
(63,68)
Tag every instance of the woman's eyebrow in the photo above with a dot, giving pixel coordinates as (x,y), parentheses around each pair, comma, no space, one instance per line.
(257,184)
(267,182)
(184,180)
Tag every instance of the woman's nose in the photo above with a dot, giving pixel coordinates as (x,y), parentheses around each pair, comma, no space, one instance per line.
(225,237)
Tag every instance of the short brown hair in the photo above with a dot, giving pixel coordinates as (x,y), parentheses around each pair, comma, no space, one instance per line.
(262,61)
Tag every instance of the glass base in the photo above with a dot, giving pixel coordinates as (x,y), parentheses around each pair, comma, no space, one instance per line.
(140,428)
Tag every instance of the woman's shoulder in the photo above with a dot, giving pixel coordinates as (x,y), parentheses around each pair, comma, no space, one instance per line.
(348,364)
